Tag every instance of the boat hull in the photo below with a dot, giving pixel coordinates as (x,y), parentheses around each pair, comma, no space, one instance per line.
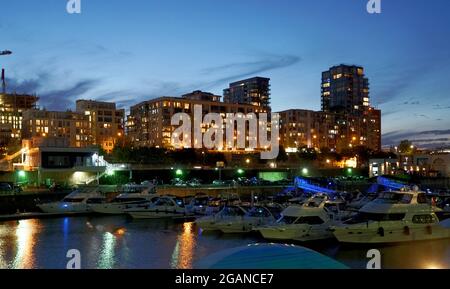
(390,234)
(62,208)
(149,214)
(295,233)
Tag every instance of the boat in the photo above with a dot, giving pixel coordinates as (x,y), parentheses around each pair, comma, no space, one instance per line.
(79,201)
(361,200)
(308,222)
(394,216)
(164,207)
(199,205)
(227,213)
(255,216)
(132,196)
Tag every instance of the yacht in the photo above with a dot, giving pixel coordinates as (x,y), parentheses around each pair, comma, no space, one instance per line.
(164,207)
(361,200)
(199,205)
(79,201)
(132,196)
(395,216)
(227,213)
(255,216)
(308,222)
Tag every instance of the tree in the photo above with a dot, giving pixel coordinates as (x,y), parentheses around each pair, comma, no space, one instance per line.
(282,156)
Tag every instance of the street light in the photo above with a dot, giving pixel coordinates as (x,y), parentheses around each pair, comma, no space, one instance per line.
(305,171)
(179,172)
(22,174)
(240,171)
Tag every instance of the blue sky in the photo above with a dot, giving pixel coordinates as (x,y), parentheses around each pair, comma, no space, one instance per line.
(129,51)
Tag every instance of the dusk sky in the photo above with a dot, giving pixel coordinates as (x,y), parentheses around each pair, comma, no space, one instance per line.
(129,51)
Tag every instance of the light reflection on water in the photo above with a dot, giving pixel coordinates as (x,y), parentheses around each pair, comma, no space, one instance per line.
(107,252)
(17,242)
(183,254)
(118,242)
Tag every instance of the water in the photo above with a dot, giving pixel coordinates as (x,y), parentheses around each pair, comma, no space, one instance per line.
(118,242)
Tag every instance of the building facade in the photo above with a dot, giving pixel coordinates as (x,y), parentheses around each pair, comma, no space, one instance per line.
(149,122)
(298,128)
(431,165)
(345,89)
(12,107)
(253,91)
(106,121)
(72,126)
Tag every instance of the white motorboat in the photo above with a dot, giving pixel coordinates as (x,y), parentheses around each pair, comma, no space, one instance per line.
(132,197)
(164,207)
(308,222)
(199,205)
(228,213)
(255,216)
(78,201)
(361,200)
(397,216)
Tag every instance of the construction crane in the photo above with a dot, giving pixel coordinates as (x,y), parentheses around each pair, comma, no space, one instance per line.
(3,53)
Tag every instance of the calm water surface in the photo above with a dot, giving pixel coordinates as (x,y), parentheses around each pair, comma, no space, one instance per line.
(119,242)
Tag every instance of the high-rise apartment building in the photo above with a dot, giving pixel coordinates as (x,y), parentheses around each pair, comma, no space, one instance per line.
(107,122)
(347,120)
(345,89)
(253,91)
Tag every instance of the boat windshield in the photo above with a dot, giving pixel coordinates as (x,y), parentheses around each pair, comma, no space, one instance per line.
(95,201)
(288,220)
(259,212)
(73,200)
(201,201)
(395,198)
(232,211)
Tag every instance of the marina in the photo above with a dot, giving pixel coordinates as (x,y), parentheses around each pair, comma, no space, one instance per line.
(137,228)
(121,242)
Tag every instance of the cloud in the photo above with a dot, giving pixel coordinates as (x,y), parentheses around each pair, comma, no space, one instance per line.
(65,98)
(412,102)
(438,106)
(46,84)
(240,70)
(421,115)
(425,139)
(52,99)
(393,83)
